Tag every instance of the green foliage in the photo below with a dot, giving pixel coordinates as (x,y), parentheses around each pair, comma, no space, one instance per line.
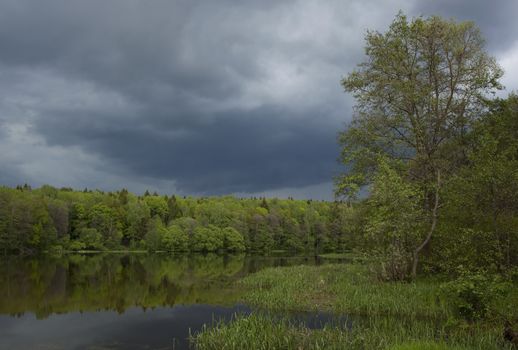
(105,220)
(207,239)
(394,226)
(33,220)
(479,226)
(233,241)
(173,209)
(155,234)
(470,248)
(137,217)
(76,245)
(157,206)
(402,113)
(451,197)
(175,239)
(90,238)
(25,224)
(474,292)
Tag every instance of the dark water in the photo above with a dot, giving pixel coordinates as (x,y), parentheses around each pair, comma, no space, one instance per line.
(123,301)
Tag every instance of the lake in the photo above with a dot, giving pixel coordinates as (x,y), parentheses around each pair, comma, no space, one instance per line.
(121,301)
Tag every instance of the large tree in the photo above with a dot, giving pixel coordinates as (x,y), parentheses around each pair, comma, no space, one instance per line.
(419,91)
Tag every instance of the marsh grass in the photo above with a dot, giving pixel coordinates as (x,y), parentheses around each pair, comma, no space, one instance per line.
(261,331)
(383,315)
(342,288)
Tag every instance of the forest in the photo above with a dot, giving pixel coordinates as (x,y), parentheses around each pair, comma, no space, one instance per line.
(49,219)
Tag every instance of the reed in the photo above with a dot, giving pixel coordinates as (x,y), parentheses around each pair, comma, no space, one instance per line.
(381,315)
(343,288)
(261,331)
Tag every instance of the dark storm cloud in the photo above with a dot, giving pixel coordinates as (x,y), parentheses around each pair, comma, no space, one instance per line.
(229,154)
(206,96)
(496,19)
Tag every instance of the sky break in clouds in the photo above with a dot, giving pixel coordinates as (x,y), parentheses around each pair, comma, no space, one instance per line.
(195,97)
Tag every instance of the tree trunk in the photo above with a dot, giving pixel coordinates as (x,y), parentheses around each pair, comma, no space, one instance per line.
(432,228)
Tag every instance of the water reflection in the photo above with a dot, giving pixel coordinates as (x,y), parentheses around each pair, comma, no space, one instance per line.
(45,286)
(115,301)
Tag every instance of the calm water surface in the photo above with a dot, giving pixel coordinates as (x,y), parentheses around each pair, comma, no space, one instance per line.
(118,301)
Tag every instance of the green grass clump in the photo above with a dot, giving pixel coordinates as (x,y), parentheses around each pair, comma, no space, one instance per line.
(261,331)
(426,345)
(342,288)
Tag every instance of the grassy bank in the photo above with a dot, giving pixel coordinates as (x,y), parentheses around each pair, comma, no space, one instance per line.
(260,331)
(342,288)
(383,315)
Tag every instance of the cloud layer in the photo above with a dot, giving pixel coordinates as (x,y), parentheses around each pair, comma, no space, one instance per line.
(210,97)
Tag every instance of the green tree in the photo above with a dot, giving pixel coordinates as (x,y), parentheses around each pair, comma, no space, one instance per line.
(59,213)
(157,206)
(481,201)
(395,225)
(173,209)
(175,239)
(105,220)
(424,84)
(90,238)
(138,216)
(233,240)
(260,233)
(207,239)
(155,233)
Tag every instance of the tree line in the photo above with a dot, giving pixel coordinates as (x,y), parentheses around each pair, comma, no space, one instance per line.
(48,218)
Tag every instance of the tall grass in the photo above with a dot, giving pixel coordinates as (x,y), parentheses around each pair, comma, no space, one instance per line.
(342,288)
(260,331)
(384,315)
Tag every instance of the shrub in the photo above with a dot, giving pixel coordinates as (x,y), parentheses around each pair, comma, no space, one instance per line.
(473,293)
(391,264)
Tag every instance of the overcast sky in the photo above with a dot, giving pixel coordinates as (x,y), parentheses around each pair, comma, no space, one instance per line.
(195,97)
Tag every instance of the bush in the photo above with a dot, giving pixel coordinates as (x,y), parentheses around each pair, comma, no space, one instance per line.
(473,293)
(391,265)
(476,249)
